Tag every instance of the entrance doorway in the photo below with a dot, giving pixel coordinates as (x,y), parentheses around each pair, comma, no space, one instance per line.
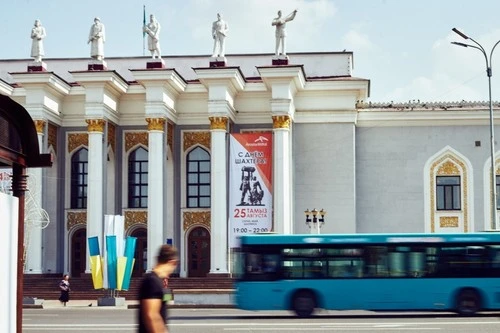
(198,252)
(141,252)
(78,252)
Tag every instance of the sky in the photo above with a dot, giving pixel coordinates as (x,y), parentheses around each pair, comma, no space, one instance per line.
(403,47)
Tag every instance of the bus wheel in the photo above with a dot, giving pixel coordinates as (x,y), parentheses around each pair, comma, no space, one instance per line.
(468,302)
(304,303)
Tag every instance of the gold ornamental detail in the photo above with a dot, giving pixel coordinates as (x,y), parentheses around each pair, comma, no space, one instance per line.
(95,125)
(112,136)
(76,140)
(448,168)
(134,217)
(218,123)
(155,124)
(134,138)
(281,122)
(170,136)
(196,138)
(448,222)
(75,218)
(196,218)
(40,126)
(52,136)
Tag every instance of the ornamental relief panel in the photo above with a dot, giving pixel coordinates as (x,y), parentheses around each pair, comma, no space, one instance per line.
(196,218)
(194,138)
(76,140)
(52,136)
(134,138)
(135,217)
(170,136)
(449,165)
(75,218)
(448,222)
(112,136)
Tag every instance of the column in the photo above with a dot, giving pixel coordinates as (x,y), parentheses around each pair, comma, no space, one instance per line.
(95,187)
(218,194)
(33,227)
(281,175)
(156,154)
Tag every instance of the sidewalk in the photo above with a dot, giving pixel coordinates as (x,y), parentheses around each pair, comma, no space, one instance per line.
(132,304)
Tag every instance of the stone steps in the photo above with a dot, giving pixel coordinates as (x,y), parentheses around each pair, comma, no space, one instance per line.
(46,286)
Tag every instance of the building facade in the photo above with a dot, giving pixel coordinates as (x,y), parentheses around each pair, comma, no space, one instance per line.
(151,144)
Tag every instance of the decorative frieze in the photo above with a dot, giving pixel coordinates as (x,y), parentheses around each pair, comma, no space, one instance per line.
(134,217)
(95,125)
(156,124)
(76,140)
(75,218)
(281,121)
(40,126)
(196,218)
(448,221)
(196,138)
(218,123)
(134,138)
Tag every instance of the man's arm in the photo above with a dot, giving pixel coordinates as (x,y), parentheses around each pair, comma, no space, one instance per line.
(291,16)
(151,315)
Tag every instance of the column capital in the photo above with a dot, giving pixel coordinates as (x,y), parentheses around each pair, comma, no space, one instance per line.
(95,125)
(156,124)
(281,122)
(40,126)
(218,123)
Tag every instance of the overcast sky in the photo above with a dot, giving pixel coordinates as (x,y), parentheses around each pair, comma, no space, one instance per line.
(402,46)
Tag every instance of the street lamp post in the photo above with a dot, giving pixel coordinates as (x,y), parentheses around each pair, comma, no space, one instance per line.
(316,221)
(492,130)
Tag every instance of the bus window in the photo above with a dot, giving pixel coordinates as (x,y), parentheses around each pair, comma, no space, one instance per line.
(376,261)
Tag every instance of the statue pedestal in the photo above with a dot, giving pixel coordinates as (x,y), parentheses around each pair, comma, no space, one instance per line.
(218,62)
(111,301)
(155,64)
(97,65)
(37,66)
(280,60)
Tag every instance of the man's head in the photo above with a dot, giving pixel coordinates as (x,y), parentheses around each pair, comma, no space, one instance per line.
(167,260)
(97,20)
(279,13)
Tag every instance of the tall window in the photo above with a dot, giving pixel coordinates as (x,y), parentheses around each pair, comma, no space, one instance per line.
(448,193)
(138,178)
(198,178)
(79,174)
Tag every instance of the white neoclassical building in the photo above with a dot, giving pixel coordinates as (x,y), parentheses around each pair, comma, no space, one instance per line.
(152,144)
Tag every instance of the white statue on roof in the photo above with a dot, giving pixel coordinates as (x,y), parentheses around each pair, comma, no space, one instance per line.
(97,37)
(153,31)
(219,33)
(280,24)
(37,36)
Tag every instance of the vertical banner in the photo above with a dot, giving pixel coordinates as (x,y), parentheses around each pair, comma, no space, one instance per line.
(250,185)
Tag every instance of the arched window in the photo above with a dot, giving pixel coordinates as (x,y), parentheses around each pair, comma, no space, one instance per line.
(198,178)
(79,177)
(138,178)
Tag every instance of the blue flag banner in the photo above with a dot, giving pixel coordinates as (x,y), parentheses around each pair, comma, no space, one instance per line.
(112,261)
(129,254)
(94,246)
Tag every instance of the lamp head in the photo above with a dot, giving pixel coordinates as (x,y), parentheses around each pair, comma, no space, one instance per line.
(461,34)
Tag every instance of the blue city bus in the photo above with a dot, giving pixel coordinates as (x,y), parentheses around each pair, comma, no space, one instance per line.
(378,272)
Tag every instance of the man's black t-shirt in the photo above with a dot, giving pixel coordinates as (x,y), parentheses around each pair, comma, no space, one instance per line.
(151,288)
